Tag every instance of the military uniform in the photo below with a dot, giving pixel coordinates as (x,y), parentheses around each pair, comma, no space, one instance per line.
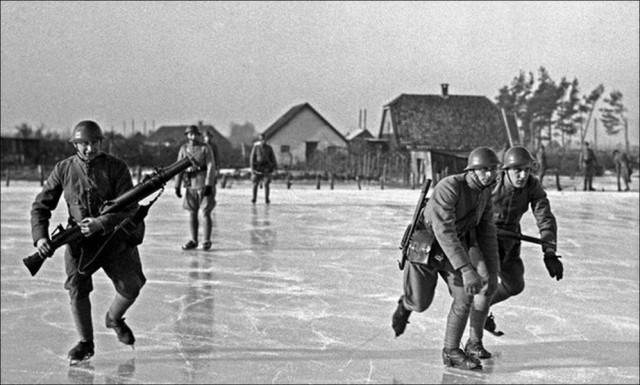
(86,185)
(195,179)
(509,205)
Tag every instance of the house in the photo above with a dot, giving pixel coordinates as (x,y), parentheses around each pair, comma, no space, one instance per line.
(173,136)
(439,131)
(300,133)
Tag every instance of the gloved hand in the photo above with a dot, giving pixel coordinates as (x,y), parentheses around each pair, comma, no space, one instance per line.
(492,285)
(554,266)
(178,193)
(208,190)
(471,280)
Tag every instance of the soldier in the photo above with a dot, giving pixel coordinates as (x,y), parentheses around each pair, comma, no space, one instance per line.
(623,169)
(88,179)
(208,139)
(514,192)
(199,186)
(588,163)
(541,156)
(262,161)
(459,214)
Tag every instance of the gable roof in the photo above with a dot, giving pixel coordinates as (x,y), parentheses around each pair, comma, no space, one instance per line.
(361,133)
(175,134)
(449,123)
(292,113)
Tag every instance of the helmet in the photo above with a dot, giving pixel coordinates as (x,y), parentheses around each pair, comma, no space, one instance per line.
(518,156)
(482,157)
(86,131)
(192,129)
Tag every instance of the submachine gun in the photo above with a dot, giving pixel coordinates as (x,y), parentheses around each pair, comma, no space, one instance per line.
(148,186)
(411,229)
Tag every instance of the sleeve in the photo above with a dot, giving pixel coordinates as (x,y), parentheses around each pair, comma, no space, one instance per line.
(181,155)
(443,221)
(45,202)
(274,162)
(487,238)
(123,183)
(252,156)
(545,220)
(211,166)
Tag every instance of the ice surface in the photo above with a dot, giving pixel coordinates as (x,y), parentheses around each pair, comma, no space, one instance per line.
(302,291)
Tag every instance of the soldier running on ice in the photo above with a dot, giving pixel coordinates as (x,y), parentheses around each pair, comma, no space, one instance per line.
(88,179)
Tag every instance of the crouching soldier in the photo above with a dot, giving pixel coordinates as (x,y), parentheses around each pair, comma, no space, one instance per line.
(458,214)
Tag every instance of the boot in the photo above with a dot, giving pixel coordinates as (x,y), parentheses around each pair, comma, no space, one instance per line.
(476,349)
(456,358)
(400,318)
(125,335)
(81,352)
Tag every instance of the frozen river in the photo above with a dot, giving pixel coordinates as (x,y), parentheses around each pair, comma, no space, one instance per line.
(302,291)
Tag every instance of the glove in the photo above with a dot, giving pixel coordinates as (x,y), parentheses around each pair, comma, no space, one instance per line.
(178,193)
(208,190)
(554,266)
(471,280)
(492,285)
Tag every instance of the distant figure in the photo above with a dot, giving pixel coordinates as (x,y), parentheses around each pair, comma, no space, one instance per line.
(199,186)
(623,169)
(87,179)
(588,163)
(262,161)
(541,157)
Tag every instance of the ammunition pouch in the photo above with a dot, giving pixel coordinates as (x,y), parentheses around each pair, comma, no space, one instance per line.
(420,246)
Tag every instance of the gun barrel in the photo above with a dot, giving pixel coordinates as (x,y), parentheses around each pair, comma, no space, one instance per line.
(513,235)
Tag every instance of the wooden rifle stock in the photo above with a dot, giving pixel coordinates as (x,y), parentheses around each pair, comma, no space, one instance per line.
(513,235)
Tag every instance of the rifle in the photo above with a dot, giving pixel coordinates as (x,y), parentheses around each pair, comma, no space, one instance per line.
(406,239)
(151,184)
(513,235)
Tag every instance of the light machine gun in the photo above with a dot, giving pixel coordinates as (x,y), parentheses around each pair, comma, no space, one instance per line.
(151,184)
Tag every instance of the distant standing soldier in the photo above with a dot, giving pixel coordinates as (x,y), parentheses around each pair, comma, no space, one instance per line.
(513,193)
(199,186)
(623,169)
(460,214)
(541,156)
(262,161)
(588,163)
(88,179)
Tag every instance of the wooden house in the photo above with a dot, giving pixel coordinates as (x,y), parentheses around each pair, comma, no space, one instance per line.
(439,131)
(301,133)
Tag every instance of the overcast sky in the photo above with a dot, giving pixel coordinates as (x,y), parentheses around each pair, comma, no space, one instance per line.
(224,62)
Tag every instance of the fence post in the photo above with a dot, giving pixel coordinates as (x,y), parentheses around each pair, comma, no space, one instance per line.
(8,175)
(318,182)
(332,180)
(41,173)
(358,181)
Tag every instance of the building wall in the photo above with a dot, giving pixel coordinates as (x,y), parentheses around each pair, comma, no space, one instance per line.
(304,127)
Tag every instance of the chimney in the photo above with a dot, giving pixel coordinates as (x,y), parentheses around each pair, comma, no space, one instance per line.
(445,90)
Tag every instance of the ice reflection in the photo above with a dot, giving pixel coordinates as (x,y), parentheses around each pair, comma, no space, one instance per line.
(262,237)
(195,323)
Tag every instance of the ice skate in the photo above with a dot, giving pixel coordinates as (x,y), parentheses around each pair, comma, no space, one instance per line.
(476,349)
(400,318)
(456,358)
(82,352)
(125,335)
(490,326)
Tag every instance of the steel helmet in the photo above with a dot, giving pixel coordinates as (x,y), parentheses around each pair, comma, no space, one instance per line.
(86,131)
(518,156)
(192,129)
(482,157)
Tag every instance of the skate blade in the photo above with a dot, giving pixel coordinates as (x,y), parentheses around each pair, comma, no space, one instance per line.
(77,362)
(496,333)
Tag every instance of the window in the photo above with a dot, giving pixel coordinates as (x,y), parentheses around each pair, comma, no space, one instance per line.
(285,148)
